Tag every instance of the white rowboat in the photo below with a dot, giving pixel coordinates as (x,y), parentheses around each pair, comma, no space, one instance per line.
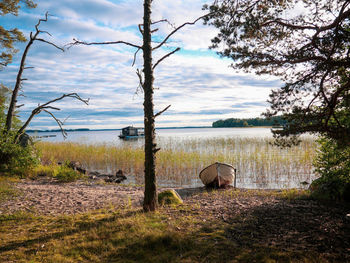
(218,175)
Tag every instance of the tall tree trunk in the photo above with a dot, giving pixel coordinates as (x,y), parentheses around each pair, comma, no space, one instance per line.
(150,199)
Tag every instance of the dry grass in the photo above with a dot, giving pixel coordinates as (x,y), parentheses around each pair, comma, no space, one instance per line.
(7,190)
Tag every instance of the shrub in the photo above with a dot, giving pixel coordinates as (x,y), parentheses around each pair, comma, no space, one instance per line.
(15,159)
(66,174)
(333,165)
(44,170)
(62,173)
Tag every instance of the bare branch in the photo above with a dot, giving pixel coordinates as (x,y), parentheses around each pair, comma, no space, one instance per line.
(162,111)
(135,54)
(140,28)
(66,119)
(51,107)
(41,20)
(78,42)
(42,31)
(178,28)
(162,21)
(50,43)
(156,150)
(59,123)
(46,106)
(164,57)
(139,74)
(71,95)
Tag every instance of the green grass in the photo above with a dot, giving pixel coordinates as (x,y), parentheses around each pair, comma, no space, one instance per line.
(62,173)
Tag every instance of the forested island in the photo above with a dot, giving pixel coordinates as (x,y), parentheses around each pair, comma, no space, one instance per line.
(252,122)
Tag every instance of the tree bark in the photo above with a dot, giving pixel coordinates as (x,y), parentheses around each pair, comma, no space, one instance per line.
(150,195)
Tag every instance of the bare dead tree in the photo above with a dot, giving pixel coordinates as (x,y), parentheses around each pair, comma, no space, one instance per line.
(146,79)
(46,107)
(33,37)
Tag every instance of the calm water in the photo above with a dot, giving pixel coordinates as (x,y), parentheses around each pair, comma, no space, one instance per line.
(258,164)
(111,136)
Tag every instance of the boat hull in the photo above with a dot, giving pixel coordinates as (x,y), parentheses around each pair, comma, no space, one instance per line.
(218,175)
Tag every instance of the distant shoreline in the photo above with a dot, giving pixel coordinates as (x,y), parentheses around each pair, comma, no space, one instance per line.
(87,129)
(160,128)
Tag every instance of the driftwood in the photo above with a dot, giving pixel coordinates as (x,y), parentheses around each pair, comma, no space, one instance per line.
(118,177)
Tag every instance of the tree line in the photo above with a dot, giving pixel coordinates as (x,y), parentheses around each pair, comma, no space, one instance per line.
(251,122)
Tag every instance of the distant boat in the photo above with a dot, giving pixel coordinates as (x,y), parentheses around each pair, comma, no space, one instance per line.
(44,136)
(131,132)
(218,175)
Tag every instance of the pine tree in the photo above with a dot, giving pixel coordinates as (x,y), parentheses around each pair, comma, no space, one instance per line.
(8,37)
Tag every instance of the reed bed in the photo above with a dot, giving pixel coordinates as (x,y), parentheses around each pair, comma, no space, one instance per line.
(259,164)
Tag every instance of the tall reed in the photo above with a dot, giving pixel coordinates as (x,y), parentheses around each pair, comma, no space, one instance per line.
(259,164)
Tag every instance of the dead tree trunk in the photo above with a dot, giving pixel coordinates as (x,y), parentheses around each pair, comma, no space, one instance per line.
(19,79)
(13,102)
(150,199)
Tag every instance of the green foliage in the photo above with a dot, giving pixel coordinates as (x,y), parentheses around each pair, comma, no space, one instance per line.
(333,165)
(169,197)
(44,170)
(294,194)
(62,173)
(9,36)
(66,174)
(308,50)
(232,122)
(14,159)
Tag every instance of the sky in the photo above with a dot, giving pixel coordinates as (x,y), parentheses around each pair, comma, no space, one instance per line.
(200,86)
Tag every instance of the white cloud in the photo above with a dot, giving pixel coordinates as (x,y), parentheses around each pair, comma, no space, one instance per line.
(200,86)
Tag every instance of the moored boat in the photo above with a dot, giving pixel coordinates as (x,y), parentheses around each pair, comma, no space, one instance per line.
(218,175)
(131,132)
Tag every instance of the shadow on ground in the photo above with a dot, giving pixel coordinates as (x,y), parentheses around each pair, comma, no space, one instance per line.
(272,230)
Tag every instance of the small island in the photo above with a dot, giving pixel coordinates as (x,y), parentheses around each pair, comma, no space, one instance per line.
(251,122)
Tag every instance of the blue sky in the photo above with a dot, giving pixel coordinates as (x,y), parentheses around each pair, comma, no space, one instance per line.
(199,85)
